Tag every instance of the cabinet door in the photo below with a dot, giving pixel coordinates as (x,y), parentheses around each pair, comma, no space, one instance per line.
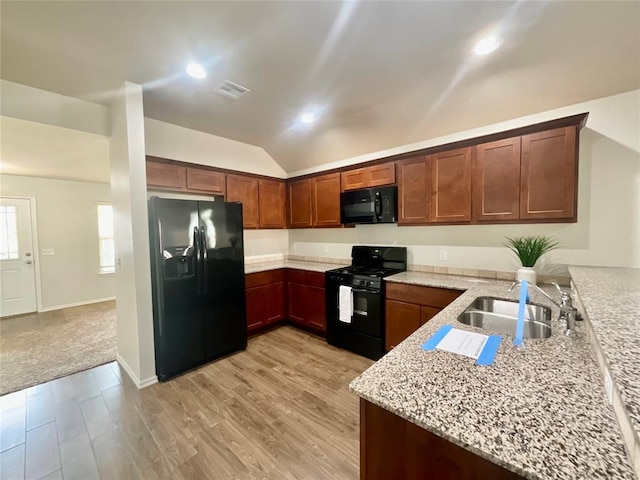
(326,200)
(265,305)
(427,313)
(202,180)
(383,174)
(166,175)
(271,200)
(414,186)
(300,203)
(244,190)
(307,306)
(497,181)
(353,179)
(402,319)
(549,175)
(256,312)
(451,183)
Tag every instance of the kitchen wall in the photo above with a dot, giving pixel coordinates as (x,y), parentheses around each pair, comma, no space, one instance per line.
(178,143)
(67,221)
(608,227)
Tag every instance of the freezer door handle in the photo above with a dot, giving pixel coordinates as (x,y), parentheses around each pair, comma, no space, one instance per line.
(203,247)
(196,248)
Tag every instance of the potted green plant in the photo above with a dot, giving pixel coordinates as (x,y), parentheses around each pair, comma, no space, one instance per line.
(528,249)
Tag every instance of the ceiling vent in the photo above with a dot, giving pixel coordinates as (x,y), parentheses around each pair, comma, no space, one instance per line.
(231,90)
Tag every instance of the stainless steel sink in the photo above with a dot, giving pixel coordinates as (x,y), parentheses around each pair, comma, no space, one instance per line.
(501,316)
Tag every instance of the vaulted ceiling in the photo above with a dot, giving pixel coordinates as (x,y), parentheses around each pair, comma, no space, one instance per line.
(381,74)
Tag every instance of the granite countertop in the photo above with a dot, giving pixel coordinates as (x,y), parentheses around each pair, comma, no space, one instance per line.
(539,411)
(611,298)
(297,264)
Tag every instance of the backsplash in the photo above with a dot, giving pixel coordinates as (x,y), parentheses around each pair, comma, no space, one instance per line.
(466,272)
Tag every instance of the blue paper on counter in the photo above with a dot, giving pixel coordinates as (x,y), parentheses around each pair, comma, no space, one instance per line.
(435,339)
(487,355)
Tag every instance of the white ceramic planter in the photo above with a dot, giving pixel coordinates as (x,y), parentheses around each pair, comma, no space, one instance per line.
(528,274)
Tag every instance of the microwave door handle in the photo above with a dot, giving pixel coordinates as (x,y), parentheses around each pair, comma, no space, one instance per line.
(378,206)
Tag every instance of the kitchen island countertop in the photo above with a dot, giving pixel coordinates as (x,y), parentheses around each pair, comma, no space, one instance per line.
(539,411)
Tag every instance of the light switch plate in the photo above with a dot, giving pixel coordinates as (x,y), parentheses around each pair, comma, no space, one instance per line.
(48,251)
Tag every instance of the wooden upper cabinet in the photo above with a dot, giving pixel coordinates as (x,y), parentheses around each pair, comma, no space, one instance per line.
(374,176)
(549,175)
(414,191)
(208,181)
(326,200)
(272,197)
(451,186)
(299,200)
(383,174)
(245,190)
(166,175)
(354,179)
(496,171)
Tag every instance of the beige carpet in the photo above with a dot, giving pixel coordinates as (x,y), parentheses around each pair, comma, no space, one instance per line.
(40,347)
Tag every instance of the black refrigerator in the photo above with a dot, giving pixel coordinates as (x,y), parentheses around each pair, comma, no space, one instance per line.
(197,273)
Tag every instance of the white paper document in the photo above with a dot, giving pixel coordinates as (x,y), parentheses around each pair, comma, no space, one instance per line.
(464,343)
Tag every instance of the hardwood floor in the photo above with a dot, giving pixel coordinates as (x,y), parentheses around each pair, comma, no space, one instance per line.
(279,410)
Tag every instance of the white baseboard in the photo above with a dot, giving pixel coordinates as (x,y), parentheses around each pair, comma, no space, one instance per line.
(77,304)
(134,378)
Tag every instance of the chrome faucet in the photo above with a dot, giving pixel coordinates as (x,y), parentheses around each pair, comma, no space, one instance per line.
(568,312)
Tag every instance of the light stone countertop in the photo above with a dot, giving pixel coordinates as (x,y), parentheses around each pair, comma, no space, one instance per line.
(539,411)
(297,264)
(611,298)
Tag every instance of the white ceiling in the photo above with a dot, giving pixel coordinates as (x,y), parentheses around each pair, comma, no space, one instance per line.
(385,73)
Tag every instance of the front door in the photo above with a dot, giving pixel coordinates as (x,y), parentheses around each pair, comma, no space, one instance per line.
(17,269)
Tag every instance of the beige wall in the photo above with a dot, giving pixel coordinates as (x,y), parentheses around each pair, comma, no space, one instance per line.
(178,143)
(67,221)
(608,227)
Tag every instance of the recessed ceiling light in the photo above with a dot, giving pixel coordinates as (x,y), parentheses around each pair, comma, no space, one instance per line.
(487,45)
(308,118)
(196,70)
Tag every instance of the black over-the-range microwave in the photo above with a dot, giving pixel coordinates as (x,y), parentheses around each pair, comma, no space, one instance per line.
(369,205)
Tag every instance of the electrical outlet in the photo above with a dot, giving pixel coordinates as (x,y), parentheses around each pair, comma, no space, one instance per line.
(442,254)
(48,251)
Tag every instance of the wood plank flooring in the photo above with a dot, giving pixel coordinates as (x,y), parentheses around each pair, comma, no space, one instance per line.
(279,410)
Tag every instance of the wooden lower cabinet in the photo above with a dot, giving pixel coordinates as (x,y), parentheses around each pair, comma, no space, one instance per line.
(306,296)
(394,448)
(408,307)
(276,295)
(265,299)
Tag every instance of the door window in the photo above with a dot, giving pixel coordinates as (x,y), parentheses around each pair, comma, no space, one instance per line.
(9,233)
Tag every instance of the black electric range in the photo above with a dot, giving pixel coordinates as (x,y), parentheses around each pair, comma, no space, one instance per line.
(361,326)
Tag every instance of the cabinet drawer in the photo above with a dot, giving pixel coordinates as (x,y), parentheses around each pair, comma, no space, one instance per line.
(264,278)
(429,296)
(303,277)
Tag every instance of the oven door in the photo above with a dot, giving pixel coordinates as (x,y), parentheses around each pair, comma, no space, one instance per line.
(367,312)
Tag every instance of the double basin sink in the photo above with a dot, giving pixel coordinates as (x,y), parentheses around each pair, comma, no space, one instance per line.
(501,316)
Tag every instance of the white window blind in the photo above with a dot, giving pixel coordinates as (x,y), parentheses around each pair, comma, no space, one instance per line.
(105,238)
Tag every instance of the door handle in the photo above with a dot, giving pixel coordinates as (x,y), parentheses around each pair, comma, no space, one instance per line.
(29,262)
